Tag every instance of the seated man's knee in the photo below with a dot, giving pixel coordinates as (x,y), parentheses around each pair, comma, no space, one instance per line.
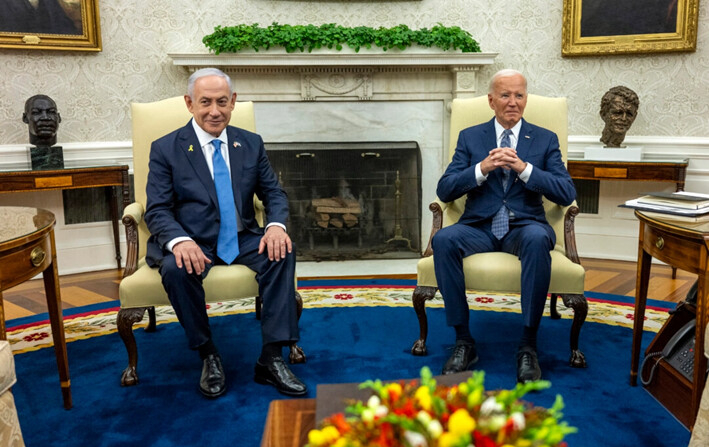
(170,272)
(444,240)
(537,237)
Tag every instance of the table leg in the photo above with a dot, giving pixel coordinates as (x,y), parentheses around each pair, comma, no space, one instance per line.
(642,280)
(113,202)
(700,361)
(54,308)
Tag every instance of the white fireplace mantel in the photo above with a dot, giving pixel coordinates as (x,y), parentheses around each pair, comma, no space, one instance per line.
(416,74)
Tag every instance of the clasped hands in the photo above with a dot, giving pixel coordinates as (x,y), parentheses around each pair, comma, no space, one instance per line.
(188,254)
(502,157)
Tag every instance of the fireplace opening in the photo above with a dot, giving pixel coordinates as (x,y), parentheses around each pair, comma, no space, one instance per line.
(351,200)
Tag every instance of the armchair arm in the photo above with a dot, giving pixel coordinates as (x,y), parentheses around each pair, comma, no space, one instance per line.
(437,207)
(570,233)
(132,216)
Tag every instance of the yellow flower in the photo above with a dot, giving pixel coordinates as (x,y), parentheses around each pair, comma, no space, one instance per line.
(447,440)
(460,422)
(316,438)
(394,390)
(423,397)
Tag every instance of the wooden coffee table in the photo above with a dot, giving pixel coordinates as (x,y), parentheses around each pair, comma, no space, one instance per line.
(288,423)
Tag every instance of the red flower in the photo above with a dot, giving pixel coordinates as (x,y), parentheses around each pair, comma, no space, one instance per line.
(484,299)
(36,336)
(632,317)
(482,440)
(343,296)
(407,410)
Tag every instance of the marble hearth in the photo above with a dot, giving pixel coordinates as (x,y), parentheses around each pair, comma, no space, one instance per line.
(355,97)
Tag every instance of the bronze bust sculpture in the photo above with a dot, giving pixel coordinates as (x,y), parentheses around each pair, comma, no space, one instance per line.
(619,107)
(42,118)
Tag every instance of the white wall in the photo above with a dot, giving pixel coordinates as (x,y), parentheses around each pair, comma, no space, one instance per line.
(94,90)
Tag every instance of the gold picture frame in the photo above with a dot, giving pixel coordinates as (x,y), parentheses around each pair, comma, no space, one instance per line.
(50,25)
(605,27)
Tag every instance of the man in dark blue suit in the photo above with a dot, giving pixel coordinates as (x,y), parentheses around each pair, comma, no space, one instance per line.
(504,167)
(200,212)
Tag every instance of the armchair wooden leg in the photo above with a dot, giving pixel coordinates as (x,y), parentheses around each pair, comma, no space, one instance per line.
(297,355)
(421,294)
(152,320)
(553,311)
(580,306)
(125,320)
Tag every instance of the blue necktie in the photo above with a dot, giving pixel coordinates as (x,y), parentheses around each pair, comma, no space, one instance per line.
(228,240)
(501,221)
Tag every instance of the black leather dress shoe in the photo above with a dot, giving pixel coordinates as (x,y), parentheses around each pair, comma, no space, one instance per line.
(464,356)
(275,372)
(213,381)
(527,365)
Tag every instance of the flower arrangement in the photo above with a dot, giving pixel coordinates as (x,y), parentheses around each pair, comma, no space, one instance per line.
(232,39)
(426,414)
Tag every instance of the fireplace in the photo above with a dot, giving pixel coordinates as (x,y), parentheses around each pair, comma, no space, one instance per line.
(351,200)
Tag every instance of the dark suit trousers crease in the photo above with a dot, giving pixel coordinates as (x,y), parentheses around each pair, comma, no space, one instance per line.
(530,241)
(279,319)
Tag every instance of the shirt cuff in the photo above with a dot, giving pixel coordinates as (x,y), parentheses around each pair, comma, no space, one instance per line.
(524,175)
(278,224)
(174,242)
(479,176)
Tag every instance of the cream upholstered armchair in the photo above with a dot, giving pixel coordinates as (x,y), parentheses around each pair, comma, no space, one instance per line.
(501,272)
(141,288)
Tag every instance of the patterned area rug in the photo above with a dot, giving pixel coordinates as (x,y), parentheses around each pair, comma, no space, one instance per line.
(610,309)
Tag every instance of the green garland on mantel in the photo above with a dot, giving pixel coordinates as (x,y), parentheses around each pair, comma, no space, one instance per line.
(232,39)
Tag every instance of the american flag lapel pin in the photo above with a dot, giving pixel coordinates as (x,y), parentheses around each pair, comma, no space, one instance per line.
(237,144)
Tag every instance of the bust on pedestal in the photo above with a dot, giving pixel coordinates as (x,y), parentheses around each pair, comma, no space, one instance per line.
(619,108)
(42,117)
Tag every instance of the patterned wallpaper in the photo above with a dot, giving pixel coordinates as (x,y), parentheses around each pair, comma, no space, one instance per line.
(93,90)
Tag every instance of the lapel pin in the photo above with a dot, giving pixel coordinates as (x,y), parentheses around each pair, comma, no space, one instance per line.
(237,144)
(190,149)
(526,136)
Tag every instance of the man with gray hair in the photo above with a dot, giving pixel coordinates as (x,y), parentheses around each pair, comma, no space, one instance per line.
(504,167)
(200,212)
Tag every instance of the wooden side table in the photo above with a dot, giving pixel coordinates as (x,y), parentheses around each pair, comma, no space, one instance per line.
(111,178)
(26,249)
(686,246)
(655,171)
(288,423)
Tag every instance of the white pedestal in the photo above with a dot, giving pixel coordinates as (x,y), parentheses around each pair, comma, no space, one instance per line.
(628,153)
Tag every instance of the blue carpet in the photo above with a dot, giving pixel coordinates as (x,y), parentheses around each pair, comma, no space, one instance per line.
(346,344)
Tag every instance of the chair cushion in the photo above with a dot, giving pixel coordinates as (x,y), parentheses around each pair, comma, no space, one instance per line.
(7,367)
(224,283)
(492,271)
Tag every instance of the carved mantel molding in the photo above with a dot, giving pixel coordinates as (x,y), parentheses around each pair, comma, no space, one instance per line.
(274,75)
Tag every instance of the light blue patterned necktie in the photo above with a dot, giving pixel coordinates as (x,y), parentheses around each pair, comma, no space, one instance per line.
(501,222)
(228,240)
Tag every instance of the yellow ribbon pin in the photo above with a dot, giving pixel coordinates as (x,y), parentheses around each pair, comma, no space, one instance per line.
(190,149)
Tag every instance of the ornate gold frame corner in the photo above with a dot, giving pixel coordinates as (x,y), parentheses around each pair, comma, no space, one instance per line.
(89,40)
(684,39)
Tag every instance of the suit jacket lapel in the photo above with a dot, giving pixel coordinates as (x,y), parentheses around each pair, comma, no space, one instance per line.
(189,144)
(236,162)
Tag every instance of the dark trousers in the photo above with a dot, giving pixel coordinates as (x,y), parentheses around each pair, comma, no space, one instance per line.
(529,240)
(279,317)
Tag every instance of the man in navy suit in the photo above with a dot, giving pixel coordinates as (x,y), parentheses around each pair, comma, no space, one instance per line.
(504,167)
(196,220)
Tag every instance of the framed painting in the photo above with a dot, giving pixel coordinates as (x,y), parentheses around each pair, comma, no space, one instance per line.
(50,25)
(602,27)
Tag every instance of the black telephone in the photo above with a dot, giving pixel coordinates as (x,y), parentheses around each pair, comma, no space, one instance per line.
(678,352)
